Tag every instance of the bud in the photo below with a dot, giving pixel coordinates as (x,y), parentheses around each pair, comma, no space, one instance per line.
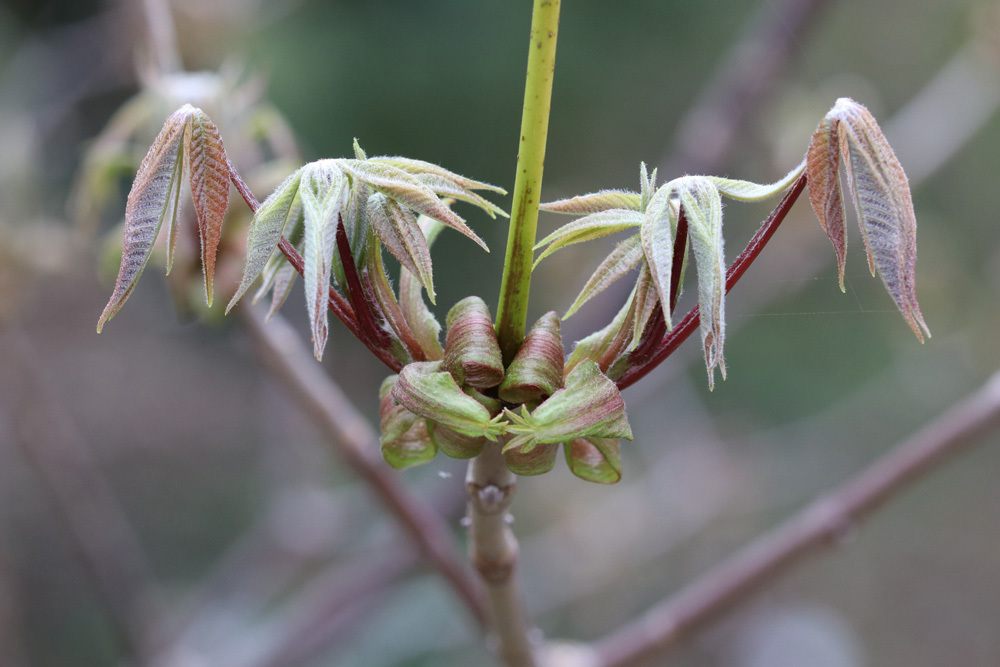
(471,351)
(459,446)
(536,461)
(537,369)
(589,406)
(426,390)
(594,459)
(404,437)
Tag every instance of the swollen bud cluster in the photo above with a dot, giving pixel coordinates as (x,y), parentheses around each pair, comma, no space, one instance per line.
(468,399)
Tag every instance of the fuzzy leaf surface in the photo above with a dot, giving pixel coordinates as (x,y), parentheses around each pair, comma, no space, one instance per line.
(208,171)
(152,199)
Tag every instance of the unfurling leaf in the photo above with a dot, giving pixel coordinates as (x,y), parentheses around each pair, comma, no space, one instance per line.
(397,229)
(459,446)
(424,325)
(537,370)
(588,228)
(825,196)
(595,202)
(206,161)
(881,194)
(408,191)
(404,437)
(703,208)
(534,461)
(471,351)
(323,191)
(623,259)
(444,187)
(419,167)
(659,224)
(152,199)
(645,300)
(426,390)
(607,344)
(595,459)
(588,406)
(750,191)
(282,208)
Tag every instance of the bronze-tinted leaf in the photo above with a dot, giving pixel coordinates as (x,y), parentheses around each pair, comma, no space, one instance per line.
(152,199)
(208,171)
(823,177)
(881,195)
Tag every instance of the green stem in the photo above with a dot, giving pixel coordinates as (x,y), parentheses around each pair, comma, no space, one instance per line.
(512,313)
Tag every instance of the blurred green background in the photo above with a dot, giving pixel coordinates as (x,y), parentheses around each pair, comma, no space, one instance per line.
(226,482)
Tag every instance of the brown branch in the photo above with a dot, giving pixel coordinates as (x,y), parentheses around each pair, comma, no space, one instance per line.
(819,525)
(357,443)
(650,360)
(727,104)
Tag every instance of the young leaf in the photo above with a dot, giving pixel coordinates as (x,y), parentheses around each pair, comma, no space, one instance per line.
(208,170)
(657,232)
(404,437)
(426,390)
(537,370)
(323,191)
(595,202)
(825,196)
(444,187)
(703,208)
(424,325)
(471,351)
(752,192)
(419,167)
(882,198)
(398,230)
(588,228)
(606,343)
(595,459)
(152,199)
(282,207)
(646,298)
(408,191)
(624,258)
(531,461)
(588,406)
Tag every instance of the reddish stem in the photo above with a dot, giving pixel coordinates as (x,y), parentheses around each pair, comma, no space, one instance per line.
(361,300)
(657,326)
(338,305)
(689,323)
